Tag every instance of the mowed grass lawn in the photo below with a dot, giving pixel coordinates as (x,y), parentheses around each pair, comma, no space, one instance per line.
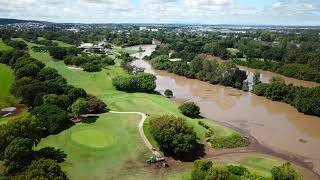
(109,148)
(6,80)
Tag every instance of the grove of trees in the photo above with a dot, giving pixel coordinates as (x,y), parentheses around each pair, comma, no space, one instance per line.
(140,82)
(305,99)
(227,73)
(50,100)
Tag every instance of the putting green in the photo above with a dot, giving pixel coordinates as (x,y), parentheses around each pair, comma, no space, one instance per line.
(92,138)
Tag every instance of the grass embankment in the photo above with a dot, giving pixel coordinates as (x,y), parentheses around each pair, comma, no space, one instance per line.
(6,80)
(111,146)
(4,47)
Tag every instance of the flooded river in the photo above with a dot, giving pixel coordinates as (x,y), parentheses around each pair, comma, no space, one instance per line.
(275,125)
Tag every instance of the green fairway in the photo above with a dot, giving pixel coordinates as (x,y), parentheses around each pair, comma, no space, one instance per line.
(116,153)
(6,79)
(62,44)
(260,165)
(4,47)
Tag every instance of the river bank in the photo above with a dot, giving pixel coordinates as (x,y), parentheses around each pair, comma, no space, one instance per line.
(279,128)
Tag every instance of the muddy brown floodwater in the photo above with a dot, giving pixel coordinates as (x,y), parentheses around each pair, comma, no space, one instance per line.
(275,125)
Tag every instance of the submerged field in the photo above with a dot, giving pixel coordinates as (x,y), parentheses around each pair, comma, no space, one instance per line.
(110,146)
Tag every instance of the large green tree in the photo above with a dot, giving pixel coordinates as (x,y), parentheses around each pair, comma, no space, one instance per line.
(79,107)
(52,118)
(43,169)
(174,136)
(18,154)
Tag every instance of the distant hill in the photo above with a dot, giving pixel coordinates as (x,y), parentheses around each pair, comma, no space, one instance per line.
(13,21)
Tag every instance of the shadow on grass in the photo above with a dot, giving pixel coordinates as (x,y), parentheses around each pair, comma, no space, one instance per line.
(89,119)
(198,153)
(51,153)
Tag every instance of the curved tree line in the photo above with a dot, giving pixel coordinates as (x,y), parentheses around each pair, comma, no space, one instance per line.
(52,102)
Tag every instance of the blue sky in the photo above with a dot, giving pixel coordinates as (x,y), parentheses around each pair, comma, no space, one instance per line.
(284,12)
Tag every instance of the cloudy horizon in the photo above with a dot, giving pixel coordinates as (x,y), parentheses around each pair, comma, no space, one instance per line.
(263,12)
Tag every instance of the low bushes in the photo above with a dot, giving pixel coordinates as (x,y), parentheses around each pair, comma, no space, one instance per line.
(305,99)
(89,63)
(168,93)
(190,109)
(206,170)
(285,171)
(233,141)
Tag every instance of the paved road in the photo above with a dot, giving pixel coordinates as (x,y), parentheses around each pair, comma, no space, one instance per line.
(140,127)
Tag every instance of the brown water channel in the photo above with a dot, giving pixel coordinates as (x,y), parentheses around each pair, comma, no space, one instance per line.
(275,125)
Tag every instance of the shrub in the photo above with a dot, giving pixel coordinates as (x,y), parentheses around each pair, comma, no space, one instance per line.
(260,89)
(190,109)
(285,172)
(206,170)
(168,93)
(90,67)
(218,173)
(135,83)
(95,105)
(232,141)
(79,107)
(200,169)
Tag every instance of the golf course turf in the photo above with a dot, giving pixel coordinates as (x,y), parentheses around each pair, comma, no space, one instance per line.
(92,138)
(110,147)
(6,79)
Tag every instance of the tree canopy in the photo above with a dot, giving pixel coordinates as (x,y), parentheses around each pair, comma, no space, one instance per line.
(174,136)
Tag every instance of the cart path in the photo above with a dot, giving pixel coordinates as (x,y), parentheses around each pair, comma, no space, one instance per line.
(141,132)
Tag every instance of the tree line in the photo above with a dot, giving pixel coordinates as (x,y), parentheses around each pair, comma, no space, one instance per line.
(227,73)
(52,102)
(140,82)
(207,170)
(305,99)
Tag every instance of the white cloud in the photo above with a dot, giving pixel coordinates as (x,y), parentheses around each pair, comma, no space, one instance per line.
(191,11)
